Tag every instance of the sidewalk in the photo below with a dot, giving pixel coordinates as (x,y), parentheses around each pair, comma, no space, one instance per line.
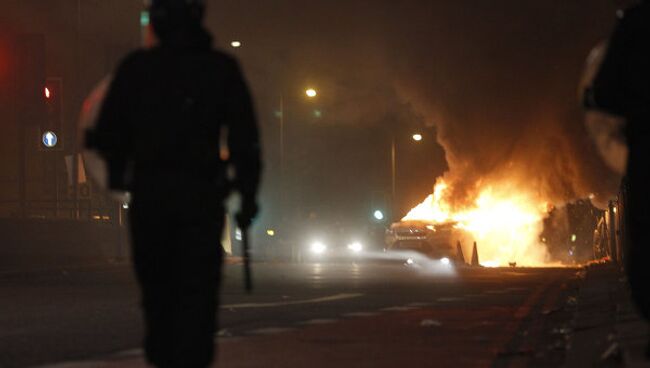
(607,331)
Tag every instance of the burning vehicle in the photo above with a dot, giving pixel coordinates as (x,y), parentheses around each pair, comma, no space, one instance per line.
(504,221)
(434,240)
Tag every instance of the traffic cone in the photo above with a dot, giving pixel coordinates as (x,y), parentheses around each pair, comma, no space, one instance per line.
(475,262)
(459,253)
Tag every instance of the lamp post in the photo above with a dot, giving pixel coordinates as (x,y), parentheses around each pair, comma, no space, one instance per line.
(311,93)
(417,137)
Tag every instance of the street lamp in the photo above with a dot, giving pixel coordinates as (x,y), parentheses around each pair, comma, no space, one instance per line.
(310,93)
(236,44)
(417,137)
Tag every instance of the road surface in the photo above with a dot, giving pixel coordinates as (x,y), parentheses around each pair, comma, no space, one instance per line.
(318,315)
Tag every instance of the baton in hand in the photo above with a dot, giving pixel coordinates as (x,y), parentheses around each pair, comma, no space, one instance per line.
(248,279)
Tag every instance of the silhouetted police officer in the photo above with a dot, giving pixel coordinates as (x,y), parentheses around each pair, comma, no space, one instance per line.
(160,129)
(622,87)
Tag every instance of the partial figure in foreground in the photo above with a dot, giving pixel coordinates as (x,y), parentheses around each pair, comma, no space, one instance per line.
(159,131)
(622,88)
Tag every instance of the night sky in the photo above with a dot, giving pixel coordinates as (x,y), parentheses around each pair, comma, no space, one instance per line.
(494,80)
(497,80)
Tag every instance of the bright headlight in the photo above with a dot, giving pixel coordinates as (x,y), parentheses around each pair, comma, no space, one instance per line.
(318,247)
(445,261)
(356,247)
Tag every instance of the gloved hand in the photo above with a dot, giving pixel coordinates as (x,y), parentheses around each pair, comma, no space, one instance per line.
(246,213)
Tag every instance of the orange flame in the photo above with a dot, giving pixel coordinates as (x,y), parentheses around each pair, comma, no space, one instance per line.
(504,222)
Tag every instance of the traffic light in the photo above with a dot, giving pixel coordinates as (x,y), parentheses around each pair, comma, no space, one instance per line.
(53,97)
(379,207)
(52,122)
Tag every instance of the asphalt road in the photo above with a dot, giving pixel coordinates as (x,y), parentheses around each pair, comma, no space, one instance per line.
(340,314)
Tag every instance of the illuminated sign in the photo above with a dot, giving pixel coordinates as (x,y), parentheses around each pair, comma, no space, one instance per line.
(50,139)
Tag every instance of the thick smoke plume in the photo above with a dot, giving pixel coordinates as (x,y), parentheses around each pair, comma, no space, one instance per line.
(498,78)
(502,93)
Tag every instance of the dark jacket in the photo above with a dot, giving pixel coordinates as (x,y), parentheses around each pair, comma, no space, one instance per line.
(622,85)
(163,120)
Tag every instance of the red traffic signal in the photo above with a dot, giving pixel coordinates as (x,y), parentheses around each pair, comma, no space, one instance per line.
(52,93)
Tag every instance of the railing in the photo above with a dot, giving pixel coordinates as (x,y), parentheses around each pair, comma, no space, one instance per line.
(83,210)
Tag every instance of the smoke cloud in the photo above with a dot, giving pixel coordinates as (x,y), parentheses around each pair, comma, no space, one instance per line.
(501,89)
(497,78)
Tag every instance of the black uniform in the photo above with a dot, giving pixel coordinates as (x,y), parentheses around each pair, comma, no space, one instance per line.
(622,87)
(160,130)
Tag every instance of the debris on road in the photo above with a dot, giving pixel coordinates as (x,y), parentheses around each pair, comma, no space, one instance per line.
(572,301)
(612,354)
(224,333)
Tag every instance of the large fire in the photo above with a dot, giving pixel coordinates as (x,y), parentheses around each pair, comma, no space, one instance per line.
(505,223)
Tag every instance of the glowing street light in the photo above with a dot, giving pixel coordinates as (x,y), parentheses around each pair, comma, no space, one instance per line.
(236,44)
(417,137)
(282,116)
(378,215)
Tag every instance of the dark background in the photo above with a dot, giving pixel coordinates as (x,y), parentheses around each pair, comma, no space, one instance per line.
(383,70)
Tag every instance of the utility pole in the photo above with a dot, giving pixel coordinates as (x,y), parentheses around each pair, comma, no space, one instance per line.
(393,171)
(73,130)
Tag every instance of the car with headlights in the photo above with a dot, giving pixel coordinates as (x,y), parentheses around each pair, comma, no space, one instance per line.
(433,240)
(334,245)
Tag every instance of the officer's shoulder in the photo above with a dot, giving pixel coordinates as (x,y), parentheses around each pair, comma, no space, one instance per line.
(637,13)
(134,59)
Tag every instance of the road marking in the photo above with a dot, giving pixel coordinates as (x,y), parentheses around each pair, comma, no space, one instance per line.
(518,289)
(430,323)
(397,309)
(361,314)
(417,305)
(532,299)
(89,364)
(270,330)
(321,321)
(474,295)
(223,333)
(449,299)
(511,273)
(325,299)
(496,292)
(507,341)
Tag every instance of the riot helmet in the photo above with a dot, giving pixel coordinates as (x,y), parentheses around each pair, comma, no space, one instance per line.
(169,16)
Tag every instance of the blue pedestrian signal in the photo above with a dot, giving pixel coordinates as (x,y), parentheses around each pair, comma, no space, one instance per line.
(50,139)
